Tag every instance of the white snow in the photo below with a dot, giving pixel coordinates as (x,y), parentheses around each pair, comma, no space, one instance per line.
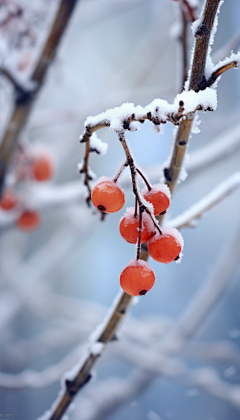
(206,98)
(161,111)
(195,125)
(175,233)
(96,348)
(98,144)
(157,129)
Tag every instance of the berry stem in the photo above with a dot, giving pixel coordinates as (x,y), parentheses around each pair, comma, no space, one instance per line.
(136,204)
(141,210)
(144,179)
(120,171)
(133,171)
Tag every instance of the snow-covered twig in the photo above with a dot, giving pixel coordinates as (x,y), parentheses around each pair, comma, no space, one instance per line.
(128,117)
(189,217)
(227,64)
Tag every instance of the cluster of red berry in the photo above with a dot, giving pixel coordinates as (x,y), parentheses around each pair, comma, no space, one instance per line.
(37,167)
(164,245)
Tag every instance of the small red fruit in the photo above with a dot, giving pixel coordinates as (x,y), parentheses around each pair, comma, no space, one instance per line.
(107,195)
(159,196)
(166,248)
(137,278)
(28,220)
(8,200)
(42,168)
(129,227)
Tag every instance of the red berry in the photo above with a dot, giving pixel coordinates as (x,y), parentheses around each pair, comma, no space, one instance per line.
(159,196)
(28,220)
(8,200)
(108,196)
(129,226)
(166,248)
(137,278)
(42,168)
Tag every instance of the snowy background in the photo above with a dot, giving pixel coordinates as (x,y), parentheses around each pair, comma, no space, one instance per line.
(57,282)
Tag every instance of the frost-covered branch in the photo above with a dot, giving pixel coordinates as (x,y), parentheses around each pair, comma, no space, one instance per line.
(188,218)
(129,118)
(202,31)
(25,99)
(229,63)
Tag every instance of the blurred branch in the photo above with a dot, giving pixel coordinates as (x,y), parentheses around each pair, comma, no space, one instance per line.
(188,218)
(219,351)
(232,45)
(24,98)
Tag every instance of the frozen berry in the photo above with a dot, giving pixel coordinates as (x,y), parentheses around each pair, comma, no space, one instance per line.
(108,196)
(137,278)
(42,168)
(129,226)
(8,200)
(28,220)
(166,248)
(159,196)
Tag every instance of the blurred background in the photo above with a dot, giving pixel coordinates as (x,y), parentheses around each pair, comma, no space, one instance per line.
(58,281)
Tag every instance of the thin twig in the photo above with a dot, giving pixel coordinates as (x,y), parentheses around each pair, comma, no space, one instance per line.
(133,170)
(139,234)
(144,179)
(233,64)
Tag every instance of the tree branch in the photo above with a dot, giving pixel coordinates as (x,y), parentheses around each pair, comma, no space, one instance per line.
(204,27)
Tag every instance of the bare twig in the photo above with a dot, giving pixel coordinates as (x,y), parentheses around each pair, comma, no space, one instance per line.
(133,170)
(24,98)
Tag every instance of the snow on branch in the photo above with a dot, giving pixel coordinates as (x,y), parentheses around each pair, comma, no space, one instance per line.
(228,63)
(188,218)
(128,116)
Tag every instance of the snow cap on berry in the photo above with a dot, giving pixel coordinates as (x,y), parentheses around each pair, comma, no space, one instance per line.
(176,234)
(159,187)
